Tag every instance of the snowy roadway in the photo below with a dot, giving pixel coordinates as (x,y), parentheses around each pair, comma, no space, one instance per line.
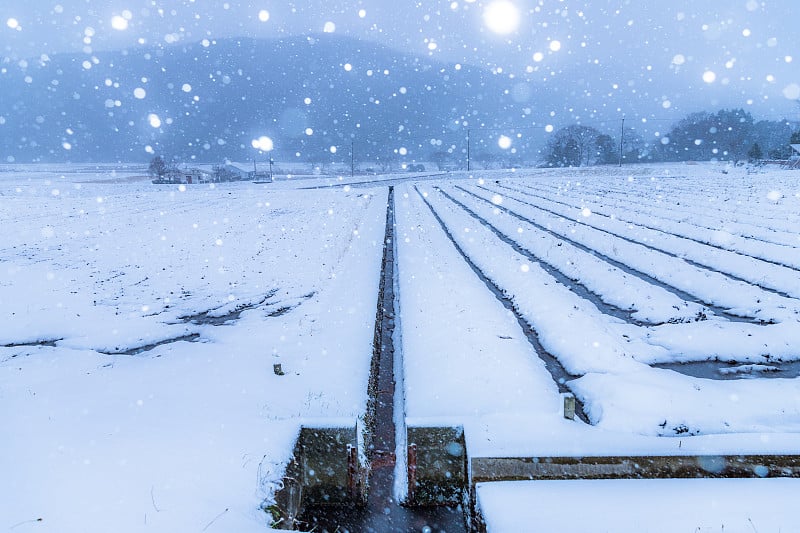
(140,326)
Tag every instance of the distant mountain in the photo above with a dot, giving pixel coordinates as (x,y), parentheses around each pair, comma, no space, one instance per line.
(207,101)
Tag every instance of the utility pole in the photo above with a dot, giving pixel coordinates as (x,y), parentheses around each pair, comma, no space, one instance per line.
(352,158)
(621,140)
(468,150)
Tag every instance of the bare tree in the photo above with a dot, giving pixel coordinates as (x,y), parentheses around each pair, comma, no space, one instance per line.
(576,145)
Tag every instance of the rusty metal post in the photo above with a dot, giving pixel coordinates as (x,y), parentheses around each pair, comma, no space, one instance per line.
(412,471)
(352,471)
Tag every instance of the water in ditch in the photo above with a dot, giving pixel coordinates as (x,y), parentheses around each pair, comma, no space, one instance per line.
(733,370)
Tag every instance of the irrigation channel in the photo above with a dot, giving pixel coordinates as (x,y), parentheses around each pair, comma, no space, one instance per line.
(344,478)
(382,512)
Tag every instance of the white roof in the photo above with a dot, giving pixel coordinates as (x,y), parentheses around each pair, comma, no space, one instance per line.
(796,148)
(235,166)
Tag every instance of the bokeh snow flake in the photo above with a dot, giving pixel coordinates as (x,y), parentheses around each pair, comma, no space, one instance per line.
(501,17)
(119,23)
(263,143)
(792,91)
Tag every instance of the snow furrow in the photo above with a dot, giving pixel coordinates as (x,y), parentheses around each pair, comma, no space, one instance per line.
(612,377)
(453,328)
(717,289)
(779,280)
(778,255)
(782,256)
(617,261)
(613,290)
(551,309)
(750,225)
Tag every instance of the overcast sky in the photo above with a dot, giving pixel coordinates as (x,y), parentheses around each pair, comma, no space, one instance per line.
(704,51)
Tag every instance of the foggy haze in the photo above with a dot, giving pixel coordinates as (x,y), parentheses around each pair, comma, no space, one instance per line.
(652,62)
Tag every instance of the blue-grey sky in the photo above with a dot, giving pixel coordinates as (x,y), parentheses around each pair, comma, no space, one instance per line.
(682,54)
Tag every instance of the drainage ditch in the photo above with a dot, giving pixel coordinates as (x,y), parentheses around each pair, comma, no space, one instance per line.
(381,511)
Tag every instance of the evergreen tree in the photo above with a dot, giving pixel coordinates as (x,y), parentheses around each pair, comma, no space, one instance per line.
(158,167)
(755,154)
(606,150)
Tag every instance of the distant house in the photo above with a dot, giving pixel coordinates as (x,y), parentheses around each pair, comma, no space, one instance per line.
(188,175)
(794,159)
(193,175)
(260,176)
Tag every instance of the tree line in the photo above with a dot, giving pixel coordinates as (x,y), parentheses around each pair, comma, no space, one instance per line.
(727,135)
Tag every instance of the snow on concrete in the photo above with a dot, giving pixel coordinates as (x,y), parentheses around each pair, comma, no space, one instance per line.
(640,506)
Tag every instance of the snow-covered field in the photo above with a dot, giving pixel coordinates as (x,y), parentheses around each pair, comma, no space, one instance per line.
(140,325)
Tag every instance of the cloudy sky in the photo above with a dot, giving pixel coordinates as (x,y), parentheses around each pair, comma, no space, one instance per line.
(681,54)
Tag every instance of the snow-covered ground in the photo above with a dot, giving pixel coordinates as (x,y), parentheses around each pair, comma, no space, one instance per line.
(141,323)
